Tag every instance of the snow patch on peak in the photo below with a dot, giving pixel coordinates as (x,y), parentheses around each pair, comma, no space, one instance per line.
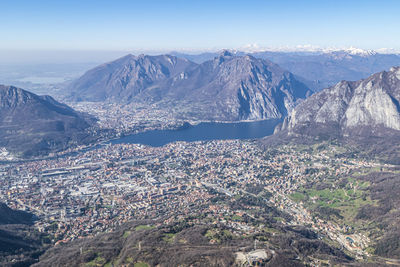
(395,71)
(170,61)
(398,73)
(254,48)
(359,52)
(387,51)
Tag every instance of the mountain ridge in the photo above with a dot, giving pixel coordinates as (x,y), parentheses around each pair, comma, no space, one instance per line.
(32,124)
(364,114)
(228,87)
(371,102)
(129,72)
(320,68)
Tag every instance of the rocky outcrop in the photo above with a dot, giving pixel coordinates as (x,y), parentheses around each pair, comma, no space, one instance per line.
(366,107)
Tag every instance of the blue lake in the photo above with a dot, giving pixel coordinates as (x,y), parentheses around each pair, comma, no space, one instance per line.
(203,132)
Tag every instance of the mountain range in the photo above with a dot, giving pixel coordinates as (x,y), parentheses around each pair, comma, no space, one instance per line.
(227,88)
(321,69)
(32,124)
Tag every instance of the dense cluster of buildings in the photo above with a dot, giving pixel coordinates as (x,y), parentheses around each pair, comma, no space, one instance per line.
(121,118)
(99,189)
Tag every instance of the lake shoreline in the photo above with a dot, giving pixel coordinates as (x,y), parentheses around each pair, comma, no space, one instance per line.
(202,131)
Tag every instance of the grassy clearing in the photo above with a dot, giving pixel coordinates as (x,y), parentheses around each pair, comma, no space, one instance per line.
(169,237)
(140,264)
(270,230)
(126,234)
(329,195)
(98,261)
(345,201)
(218,235)
(143,227)
(366,171)
(350,209)
(298,197)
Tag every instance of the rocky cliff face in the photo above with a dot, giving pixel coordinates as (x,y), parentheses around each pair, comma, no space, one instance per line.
(229,87)
(32,124)
(365,107)
(321,69)
(233,87)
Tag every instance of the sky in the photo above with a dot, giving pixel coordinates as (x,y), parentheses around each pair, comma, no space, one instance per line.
(150,25)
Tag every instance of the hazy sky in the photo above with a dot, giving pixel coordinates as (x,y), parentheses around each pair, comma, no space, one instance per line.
(176,25)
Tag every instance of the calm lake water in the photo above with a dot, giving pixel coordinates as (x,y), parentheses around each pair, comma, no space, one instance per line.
(202,132)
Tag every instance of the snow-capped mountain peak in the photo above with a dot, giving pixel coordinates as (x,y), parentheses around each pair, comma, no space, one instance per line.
(359,52)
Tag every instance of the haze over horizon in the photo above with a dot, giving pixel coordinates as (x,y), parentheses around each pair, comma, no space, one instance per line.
(162,26)
(33,57)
